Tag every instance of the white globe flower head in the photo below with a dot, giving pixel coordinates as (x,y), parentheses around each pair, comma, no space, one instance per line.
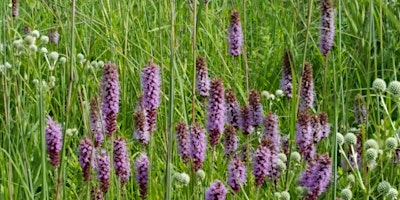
(279,93)
(35,81)
(7,65)
(53,56)
(379,84)
(29,40)
(271,97)
(35,33)
(100,64)
(265,94)
(43,50)
(17,42)
(33,48)
(52,81)
(394,88)
(93,63)
(63,60)
(44,39)
(71,131)
(81,58)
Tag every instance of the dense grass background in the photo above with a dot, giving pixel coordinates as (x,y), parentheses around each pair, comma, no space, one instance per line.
(130,33)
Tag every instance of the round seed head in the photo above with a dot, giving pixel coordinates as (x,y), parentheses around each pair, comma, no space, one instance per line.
(351,178)
(350,139)
(379,84)
(277,195)
(384,187)
(391,143)
(285,195)
(282,157)
(392,194)
(44,39)
(279,93)
(93,63)
(20,47)
(100,64)
(63,60)
(35,33)
(33,48)
(17,42)
(200,174)
(80,57)
(394,88)
(346,194)
(29,40)
(43,50)
(295,156)
(7,65)
(53,56)
(371,154)
(265,94)
(301,190)
(281,165)
(339,139)
(371,143)
(181,178)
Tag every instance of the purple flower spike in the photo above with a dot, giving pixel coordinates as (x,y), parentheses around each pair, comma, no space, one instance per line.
(324,127)
(110,97)
(216,191)
(235,34)
(216,111)
(260,164)
(53,141)
(151,86)
(54,36)
(121,160)
(285,145)
(327,30)
(96,124)
(230,140)
(103,171)
(237,174)
(360,112)
(304,135)
(85,156)
(142,174)
(272,160)
(198,146)
(141,133)
(307,87)
(286,81)
(256,108)
(232,108)
(183,141)
(15,8)
(246,120)
(271,130)
(202,79)
(317,176)
(151,118)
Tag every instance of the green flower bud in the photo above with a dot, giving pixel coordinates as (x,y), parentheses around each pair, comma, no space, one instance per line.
(346,194)
(29,40)
(371,154)
(394,88)
(35,33)
(93,63)
(43,50)
(295,156)
(371,143)
(282,157)
(339,139)
(63,60)
(44,39)
(181,178)
(351,178)
(100,64)
(33,48)
(281,165)
(53,56)
(279,93)
(379,84)
(384,187)
(285,195)
(392,194)
(350,139)
(201,175)
(391,143)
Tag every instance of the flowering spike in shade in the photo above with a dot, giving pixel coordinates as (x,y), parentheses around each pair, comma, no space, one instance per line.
(15,8)
(53,141)
(360,112)
(307,93)
(142,174)
(110,92)
(256,108)
(198,146)
(151,85)
(246,120)
(96,124)
(232,108)
(260,169)
(121,160)
(327,29)
(103,170)
(216,191)
(54,36)
(324,127)
(85,155)
(286,80)
(216,111)
(230,140)
(304,135)
(202,79)
(272,158)
(317,176)
(237,174)
(151,118)
(271,130)
(141,132)
(183,141)
(235,36)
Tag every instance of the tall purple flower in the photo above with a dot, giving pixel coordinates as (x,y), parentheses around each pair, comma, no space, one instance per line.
(232,108)
(15,8)
(360,112)
(121,160)
(324,127)
(286,80)
(237,174)
(142,174)
(96,194)
(327,29)
(216,191)
(183,141)
(85,155)
(304,135)
(235,34)
(53,141)
(260,164)
(151,118)
(246,120)
(54,36)
(151,85)
(230,140)
(272,158)
(96,124)
(216,111)
(103,170)
(141,132)
(202,79)
(317,176)
(110,97)
(256,108)
(198,146)
(307,87)
(285,145)
(271,130)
